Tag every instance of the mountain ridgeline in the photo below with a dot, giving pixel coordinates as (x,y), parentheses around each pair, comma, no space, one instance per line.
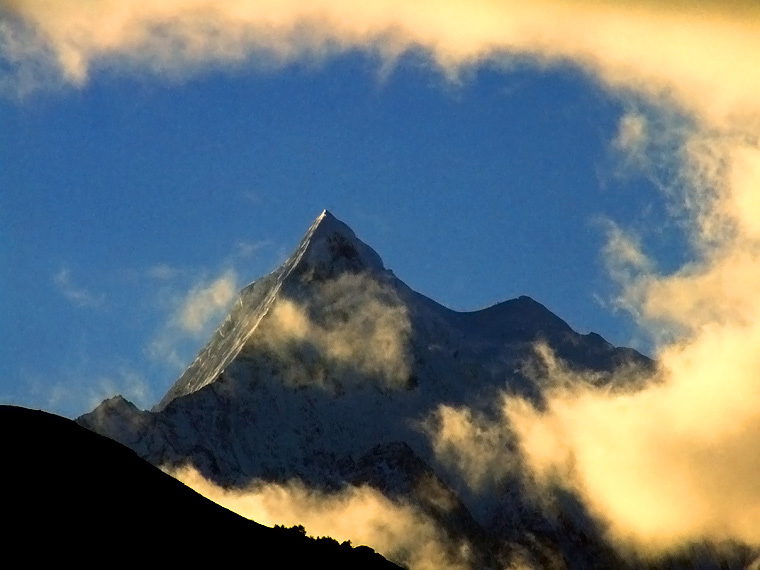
(332,374)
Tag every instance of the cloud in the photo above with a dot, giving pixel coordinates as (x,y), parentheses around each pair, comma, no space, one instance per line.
(129,383)
(362,515)
(474,445)
(661,468)
(624,254)
(168,347)
(162,272)
(666,466)
(352,324)
(79,296)
(207,301)
(655,49)
(246,249)
(192,314)
(677,462)
(632,138)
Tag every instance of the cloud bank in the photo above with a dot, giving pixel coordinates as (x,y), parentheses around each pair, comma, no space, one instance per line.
(359,514)
(656,49)
(670,465)
(207,301)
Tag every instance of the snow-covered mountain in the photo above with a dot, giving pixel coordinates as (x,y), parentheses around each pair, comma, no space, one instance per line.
(330,371)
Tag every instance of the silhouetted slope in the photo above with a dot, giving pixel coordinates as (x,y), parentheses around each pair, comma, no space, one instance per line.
(73,495)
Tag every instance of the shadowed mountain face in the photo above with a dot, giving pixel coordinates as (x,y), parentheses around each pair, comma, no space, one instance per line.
(329,371)
(74,496)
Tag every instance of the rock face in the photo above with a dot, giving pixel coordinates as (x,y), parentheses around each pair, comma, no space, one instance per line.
(329,369)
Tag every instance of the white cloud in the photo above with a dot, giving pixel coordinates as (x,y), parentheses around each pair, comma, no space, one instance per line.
(192,314)
(163,272)
(206,301)
(79,296)
(246,249)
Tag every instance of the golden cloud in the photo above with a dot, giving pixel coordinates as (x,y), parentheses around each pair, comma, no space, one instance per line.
(656,49)
(362,515)
(351,322)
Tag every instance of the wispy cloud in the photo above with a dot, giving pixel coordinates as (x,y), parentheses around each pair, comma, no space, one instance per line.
(192,314)
(247,249)
(632,139)
(206,301)
(78,295)
(162,272)
(125,381)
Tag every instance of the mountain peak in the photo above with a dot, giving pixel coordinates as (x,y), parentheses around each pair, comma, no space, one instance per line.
(330,247)
(325,214)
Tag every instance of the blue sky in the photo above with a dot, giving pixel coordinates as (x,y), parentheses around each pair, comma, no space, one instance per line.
(128,194)
(472,193)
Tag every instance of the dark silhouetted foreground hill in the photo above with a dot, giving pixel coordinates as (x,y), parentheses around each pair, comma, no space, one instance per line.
(72,495)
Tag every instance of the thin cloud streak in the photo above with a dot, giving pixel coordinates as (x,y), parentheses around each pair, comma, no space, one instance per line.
(78,295)
(205,302)
(193,314)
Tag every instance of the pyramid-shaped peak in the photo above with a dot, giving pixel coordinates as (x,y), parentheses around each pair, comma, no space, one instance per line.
(326,224)
(331,247)
(328,250)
